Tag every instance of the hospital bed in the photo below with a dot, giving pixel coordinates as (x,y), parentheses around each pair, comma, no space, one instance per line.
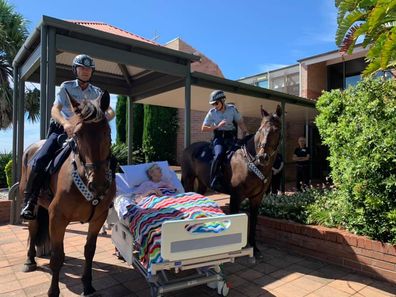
(181,249)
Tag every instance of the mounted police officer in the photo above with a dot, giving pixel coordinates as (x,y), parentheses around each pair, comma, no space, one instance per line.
(220,119)
(81,89)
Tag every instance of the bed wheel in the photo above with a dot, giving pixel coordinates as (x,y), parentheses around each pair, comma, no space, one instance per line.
(222,288)
(118,255)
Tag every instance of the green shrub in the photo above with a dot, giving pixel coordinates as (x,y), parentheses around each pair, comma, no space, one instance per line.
(288,207)
(8,172)
(4,159)
(159,133)
(359,127)
(328,209)
(121,125)
(120,151)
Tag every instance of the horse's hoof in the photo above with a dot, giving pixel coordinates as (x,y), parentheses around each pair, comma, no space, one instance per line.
(257,254)
(29,267)
(91,292)
(94,294)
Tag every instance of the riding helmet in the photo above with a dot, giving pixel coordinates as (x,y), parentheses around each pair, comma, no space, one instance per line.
(216,95)
(84,61)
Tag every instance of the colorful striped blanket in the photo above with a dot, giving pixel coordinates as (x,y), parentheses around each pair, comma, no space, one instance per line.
(147,216)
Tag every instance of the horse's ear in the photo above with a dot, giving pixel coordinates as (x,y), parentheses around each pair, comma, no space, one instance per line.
(104,101)
(264,113)
(279,111)
(73,102)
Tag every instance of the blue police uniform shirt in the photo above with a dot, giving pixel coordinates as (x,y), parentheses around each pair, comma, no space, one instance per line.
(90,93)
(230,114)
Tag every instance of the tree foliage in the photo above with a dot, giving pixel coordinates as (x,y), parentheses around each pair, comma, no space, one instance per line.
(359,127)
(137,126)
(13,33)
(121,123)
(159,133)
(375,21)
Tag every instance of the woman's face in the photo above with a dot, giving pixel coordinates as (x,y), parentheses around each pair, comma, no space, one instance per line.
(156,174)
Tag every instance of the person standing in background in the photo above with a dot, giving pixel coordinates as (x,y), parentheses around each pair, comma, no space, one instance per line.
(302,156)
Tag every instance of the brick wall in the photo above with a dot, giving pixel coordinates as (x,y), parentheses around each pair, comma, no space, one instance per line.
(313,80)
(5,207)
(359,253)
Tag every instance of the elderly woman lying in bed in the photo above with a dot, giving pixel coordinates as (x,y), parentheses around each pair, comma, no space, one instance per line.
(156,185)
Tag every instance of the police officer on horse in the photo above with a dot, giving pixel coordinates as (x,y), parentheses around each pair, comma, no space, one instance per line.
(81,89)
(221,120)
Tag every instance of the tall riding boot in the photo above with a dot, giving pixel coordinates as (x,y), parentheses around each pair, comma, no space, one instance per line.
(31,193)
(215,182)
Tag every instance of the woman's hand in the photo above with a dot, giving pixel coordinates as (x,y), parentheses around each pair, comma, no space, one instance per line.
(156,192)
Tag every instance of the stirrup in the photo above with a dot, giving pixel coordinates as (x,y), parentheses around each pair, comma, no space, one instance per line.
(27,212)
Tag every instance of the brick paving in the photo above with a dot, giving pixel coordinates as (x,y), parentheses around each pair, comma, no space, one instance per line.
(278,273)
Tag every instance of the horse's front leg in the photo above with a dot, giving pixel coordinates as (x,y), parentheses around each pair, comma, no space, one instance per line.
(57,228)
(254,209)
(235,201)
(30,263)
(89,252)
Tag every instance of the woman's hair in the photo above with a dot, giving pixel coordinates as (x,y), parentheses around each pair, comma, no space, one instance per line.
(151,168)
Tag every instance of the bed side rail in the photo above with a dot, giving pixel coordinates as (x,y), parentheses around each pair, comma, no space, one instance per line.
(178,243)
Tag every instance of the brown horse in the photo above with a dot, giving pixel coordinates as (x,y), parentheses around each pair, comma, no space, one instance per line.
(248,175)
(88,166)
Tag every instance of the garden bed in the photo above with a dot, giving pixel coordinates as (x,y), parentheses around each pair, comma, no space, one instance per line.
(339,247)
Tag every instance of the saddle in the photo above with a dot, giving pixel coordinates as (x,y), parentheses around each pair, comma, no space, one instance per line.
(55,164)
(206,153)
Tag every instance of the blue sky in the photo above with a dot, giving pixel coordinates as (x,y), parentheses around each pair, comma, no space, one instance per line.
(242,37)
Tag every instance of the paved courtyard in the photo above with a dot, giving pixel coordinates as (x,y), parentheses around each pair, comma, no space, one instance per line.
(279,273)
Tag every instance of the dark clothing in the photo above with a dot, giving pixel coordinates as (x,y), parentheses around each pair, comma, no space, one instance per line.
(278,161)
(47,152)
(302,152)
(222,141)
(302,168)
(276,178)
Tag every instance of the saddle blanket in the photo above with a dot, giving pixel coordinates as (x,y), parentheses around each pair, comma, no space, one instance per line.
(147,216)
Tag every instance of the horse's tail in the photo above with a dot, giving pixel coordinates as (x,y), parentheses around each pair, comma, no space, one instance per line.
(42,238)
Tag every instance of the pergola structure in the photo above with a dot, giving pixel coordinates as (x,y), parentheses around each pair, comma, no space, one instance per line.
(146,72)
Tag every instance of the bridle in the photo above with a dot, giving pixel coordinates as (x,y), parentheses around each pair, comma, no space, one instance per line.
(88,171)
(254,161)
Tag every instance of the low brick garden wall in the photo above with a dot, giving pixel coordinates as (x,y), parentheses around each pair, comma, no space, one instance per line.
(359,253)
(5,207)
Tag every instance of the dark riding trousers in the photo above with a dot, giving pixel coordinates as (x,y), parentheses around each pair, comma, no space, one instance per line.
(47,152)
(222,140)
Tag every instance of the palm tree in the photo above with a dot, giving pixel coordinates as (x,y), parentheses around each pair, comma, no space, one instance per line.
(13,33)
(375,21)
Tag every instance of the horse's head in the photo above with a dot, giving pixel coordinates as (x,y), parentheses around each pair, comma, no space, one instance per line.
(93,141)
(267,137)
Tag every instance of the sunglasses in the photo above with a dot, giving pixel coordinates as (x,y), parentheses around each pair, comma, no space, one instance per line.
(216,103)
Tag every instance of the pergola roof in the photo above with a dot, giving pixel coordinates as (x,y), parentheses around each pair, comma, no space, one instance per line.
(128,64)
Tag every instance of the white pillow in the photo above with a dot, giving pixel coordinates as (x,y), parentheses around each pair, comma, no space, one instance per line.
(134,175)
(121,184)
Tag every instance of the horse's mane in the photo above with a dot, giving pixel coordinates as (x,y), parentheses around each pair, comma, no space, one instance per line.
(89,112)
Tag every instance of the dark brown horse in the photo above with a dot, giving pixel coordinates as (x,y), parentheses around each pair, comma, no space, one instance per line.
(242,182)
(89,166)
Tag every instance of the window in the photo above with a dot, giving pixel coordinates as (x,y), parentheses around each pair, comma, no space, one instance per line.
(352,80)
(263,83)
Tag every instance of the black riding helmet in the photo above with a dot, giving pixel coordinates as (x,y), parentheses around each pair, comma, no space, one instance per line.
(217,95)
(83,60)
